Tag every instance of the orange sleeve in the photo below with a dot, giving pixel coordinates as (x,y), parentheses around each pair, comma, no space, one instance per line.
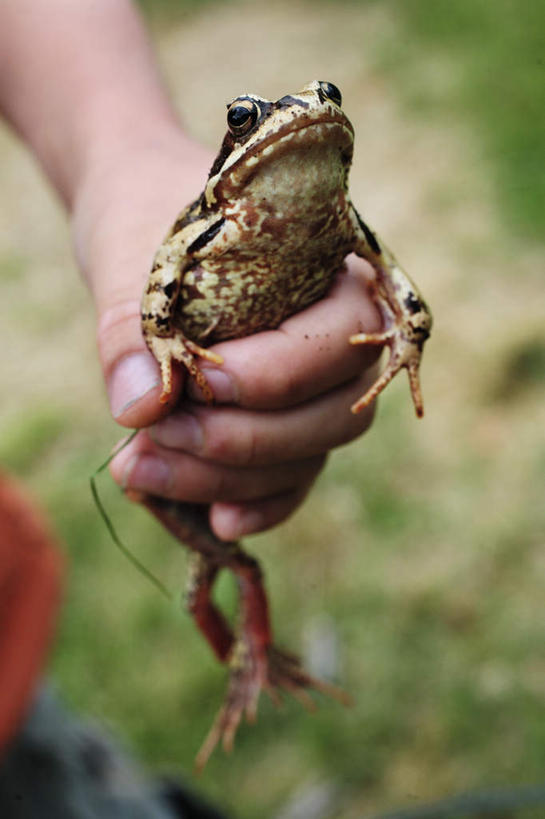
(30,583)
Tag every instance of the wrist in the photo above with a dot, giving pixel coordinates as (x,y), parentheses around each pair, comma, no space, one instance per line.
(102,152)
(125,198)
(113,160)
(123,205)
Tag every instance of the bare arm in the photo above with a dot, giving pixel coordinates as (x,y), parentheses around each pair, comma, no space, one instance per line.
(79,83)
(75,79)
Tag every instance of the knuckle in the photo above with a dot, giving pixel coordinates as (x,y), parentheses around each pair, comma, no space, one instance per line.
(219,486)
(248,449)
(290,385)
(238,449)
(219,443)
(278,387)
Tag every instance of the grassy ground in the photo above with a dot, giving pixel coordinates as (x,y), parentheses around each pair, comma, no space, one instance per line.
(415,571)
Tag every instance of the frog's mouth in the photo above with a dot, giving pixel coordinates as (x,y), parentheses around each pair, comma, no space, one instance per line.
(333,132)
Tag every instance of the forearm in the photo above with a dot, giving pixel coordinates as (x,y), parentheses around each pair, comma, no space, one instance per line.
(79,83)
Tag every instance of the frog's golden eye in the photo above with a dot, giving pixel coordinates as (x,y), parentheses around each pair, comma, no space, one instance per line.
(241,116)
(332,92)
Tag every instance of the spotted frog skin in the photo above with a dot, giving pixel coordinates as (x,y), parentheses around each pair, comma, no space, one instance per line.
(264,240)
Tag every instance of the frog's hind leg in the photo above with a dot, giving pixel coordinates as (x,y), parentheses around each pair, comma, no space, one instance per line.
(208,618)
(254,663)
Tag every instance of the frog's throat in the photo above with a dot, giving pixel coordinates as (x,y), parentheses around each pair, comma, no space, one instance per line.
(334,131)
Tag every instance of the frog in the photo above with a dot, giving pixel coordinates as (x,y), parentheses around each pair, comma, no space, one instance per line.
(265,239)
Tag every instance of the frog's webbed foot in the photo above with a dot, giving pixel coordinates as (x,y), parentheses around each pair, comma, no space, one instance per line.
(286,672)
(179,348)
(255,664)
(270,670)
(405,340)
(247,677)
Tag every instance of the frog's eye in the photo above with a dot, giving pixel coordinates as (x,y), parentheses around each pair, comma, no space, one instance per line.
(241,116)
(331,92)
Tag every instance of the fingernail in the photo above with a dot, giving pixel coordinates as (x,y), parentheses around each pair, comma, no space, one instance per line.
(223,387)
(181,430)
(134,376)
(147,473)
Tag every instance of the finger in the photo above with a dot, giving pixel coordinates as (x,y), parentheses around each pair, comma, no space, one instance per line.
(231,521)
(308,354)
(239,437)
(144,467)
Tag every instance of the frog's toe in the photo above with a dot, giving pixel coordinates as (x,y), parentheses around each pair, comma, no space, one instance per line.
(286,672)
(271,670)
(245,683)
(405,352)
(223,730)
(167,349)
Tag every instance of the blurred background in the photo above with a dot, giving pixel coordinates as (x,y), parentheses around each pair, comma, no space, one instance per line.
(415,572)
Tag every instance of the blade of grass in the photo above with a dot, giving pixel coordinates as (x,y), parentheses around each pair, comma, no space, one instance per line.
(138,565)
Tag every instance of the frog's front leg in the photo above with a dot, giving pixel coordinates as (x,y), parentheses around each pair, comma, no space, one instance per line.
(164,339)
(406,317)
(254,663)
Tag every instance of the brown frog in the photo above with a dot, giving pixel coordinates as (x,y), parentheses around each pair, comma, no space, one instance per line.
(264,240)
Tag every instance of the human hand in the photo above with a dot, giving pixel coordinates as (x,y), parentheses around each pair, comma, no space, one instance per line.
(283,396)
(120,162)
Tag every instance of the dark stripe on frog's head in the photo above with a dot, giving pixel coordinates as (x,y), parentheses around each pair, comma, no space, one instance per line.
(206,236)
(230,142)
(288,101)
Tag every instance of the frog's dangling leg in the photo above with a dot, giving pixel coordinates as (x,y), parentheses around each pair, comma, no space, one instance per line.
(178,348)
(405,314)
(208,618)
(247,655)
(253,661)
(256,665)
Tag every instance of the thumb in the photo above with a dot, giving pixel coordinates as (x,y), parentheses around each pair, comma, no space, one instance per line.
(118,221)
(131,373)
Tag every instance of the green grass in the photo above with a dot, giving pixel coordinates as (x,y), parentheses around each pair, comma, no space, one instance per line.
(489,69)
(443,662)
(420,548)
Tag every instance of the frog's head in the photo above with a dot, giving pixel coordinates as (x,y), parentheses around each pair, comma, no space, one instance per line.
(263,133)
